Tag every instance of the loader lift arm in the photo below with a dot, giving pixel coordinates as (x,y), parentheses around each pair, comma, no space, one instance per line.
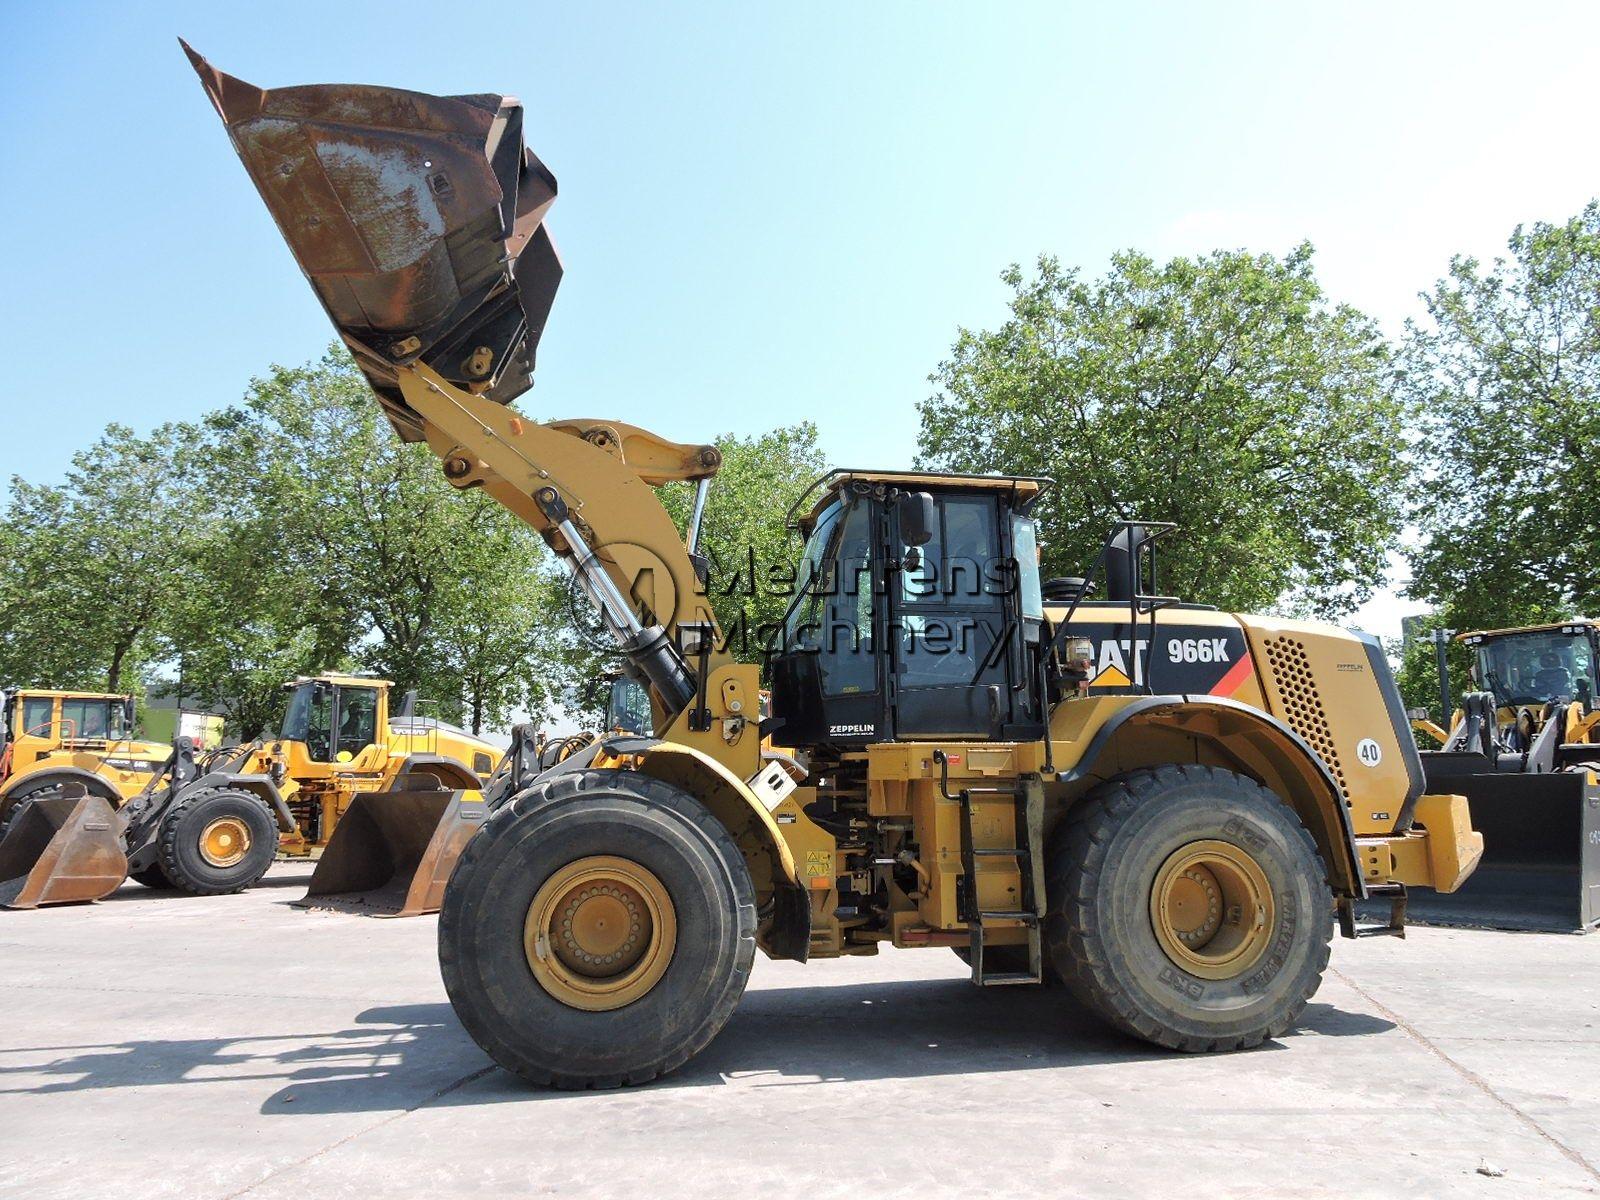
(442,299)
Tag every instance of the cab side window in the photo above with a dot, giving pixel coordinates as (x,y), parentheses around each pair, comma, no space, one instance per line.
(358,719)
(37,719)
(87,718)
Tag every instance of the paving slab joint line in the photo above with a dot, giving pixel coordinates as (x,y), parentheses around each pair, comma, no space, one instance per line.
(360,1133)
(1470,1076)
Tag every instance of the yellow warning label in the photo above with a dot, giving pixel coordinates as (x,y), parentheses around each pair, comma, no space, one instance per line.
(819,862)
(1110,677)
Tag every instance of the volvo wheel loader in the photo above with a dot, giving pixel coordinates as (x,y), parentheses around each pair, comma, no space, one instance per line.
(393,857)
(1173,841)
(212,823)
(50,738)
(1524,747)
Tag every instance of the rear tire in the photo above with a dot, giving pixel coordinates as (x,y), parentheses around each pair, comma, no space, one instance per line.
(1189,908)
(492,923)
(217,841)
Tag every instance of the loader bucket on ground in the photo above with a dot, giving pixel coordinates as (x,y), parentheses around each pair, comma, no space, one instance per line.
(392,852)
(417,219)
(1541,854)
(62,850)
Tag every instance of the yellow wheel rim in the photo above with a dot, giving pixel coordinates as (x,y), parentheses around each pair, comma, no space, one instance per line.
(225,842)
(600,933)
(1212,909)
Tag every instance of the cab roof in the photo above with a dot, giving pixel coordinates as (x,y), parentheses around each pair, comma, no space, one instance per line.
(1025,489)
(1554,627)
(68,695)
(341,679)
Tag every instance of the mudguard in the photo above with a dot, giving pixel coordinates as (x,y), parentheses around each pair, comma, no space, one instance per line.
(1263,745)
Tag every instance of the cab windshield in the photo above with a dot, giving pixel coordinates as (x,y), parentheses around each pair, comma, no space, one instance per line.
(1538,668)
(297,716)
(628,707)
(801,628)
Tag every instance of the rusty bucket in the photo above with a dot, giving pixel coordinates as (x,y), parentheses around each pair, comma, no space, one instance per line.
(392,852)
(64,849)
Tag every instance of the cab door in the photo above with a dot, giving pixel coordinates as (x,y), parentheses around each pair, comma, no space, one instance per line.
(958,668)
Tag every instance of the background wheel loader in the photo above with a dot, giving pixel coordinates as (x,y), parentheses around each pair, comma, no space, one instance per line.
(1525,749)
(50,738)
(392,857)
(212,823)
(1175,839)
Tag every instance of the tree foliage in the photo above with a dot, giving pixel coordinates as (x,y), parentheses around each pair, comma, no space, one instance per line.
(1500,378)
(745,532)
(1224,393)
(286,534)
(94,565)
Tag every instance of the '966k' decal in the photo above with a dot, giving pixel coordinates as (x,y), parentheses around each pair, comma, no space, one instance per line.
(1192,659)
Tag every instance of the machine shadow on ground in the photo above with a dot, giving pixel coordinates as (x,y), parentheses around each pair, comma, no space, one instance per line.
(407,1056)
(135,892)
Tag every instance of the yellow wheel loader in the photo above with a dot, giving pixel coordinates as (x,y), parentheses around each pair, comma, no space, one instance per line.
(392,857)
(1524,747)
(212,823)
(1166,807)
(50,738)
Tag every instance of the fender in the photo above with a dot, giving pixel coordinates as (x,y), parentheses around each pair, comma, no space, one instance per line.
(260,785)
(740,810)
(50,777)
(452,772)
(1255,743)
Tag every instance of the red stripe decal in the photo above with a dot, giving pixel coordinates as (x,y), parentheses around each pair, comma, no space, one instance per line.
(1234,679)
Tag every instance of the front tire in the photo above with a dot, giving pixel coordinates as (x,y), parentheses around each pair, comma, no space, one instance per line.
(1189,908)
(217,841)
(599,930)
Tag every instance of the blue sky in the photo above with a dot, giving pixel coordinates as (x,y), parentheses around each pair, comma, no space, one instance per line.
(767,212)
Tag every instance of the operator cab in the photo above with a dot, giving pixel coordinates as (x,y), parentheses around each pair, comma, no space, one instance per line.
(334,717)
(1547,664)
(917,613)
(627,706)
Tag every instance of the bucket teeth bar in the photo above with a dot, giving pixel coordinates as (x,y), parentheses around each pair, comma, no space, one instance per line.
(417,219)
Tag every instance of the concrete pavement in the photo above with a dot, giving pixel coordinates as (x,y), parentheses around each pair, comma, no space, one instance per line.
(158,1046)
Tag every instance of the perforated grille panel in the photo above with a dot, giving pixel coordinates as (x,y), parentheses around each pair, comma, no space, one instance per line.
(1302,706)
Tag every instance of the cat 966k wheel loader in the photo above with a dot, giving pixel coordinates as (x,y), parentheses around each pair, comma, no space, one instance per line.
(1163,807)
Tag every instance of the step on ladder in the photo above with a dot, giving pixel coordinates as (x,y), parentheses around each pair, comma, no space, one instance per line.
(1028,818)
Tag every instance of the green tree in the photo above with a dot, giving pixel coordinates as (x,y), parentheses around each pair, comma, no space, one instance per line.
(502,626)
(1501,378)
(1224,393)
(745,534)
(92,565)
(1418,672)
(381,560)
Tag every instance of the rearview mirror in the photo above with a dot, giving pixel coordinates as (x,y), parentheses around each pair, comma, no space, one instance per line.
(916,518)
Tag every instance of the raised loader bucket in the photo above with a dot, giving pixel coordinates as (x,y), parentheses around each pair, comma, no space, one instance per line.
(419,221)
(1541,853)
(392,852)
(63,849)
